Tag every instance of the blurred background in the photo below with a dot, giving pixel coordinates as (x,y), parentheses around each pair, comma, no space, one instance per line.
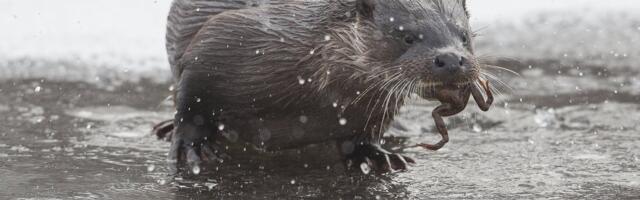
(81,83)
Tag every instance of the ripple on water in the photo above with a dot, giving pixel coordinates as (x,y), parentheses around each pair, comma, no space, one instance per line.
(110,113)
(590,157)
(4,108)
(120,127)
(128,134)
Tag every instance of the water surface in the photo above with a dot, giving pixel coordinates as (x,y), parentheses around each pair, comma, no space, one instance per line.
(76,110)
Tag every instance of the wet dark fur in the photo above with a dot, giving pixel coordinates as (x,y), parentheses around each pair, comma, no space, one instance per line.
(272,72)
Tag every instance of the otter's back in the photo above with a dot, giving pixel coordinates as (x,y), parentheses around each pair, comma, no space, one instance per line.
(187,17)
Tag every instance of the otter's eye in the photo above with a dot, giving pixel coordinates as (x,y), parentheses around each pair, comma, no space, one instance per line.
(409,39)
(465,39)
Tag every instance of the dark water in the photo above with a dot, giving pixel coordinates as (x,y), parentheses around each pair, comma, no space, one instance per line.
(562,131)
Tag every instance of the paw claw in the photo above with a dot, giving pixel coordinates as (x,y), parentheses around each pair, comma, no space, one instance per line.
(409,160)
(164,130)
(399,161)
(193,154)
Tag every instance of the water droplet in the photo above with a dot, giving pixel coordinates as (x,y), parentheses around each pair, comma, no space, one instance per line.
(257,51)
(421,36)
(198,100)
(364,167)
(304,119)
(293,182)
(313,51)
(545,118)
(210,185)
(327,37)
(150,168)
(38,89)
(162,181)
(335,104)
(391,19)
(221,127)
(89,126)
(264,134)
(197,9)
(401,28)
(306,165)
(301,81)
(342,121)
(195,169)
(477,128)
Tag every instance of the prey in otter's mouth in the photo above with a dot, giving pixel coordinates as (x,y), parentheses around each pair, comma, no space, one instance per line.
(454,99)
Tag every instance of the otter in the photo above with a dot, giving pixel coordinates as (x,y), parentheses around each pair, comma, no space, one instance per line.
(281,74)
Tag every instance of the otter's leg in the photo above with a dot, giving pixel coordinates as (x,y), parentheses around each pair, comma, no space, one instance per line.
(477,96)
(367,157)
(193,140)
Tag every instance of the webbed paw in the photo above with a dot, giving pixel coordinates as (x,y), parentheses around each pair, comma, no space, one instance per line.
(193,147)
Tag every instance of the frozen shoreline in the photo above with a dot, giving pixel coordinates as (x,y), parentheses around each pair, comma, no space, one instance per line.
(49,40)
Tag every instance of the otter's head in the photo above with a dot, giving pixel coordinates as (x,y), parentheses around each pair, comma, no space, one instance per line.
(427,40)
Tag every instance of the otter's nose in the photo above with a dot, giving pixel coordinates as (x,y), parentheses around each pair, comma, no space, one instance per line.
(449,63)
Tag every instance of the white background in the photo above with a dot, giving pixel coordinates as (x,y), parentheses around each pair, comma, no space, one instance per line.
(130,33)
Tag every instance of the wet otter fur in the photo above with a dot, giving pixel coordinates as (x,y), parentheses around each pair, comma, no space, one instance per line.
(286,73)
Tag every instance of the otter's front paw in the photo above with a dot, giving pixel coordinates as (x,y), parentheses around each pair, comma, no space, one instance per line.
(370,157)
(193,148)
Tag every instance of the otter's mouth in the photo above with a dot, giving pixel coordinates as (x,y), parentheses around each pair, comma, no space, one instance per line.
(437,84)
(429,90)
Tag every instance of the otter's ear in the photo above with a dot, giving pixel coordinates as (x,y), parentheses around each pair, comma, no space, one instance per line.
(365,8)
